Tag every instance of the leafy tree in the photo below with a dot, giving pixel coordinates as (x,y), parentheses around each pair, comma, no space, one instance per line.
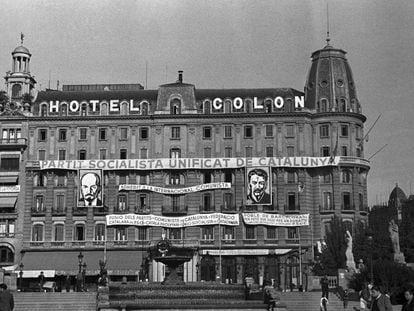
(3,98)
(27,98)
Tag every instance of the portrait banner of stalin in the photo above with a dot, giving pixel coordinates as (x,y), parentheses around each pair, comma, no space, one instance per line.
(258,187)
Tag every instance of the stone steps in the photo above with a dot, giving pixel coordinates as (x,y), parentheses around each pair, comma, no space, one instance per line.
(38,301)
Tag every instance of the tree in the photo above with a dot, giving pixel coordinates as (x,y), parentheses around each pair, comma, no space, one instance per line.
(4,99)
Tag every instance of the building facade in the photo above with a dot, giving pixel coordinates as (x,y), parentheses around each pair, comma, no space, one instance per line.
(248,178)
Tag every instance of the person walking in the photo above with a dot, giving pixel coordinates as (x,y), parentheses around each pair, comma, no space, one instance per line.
(324,304)
(325,286)
(380,302)
(6,299)
(409,304)
(364,298)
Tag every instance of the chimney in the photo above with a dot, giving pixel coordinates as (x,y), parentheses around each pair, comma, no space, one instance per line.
(180,76)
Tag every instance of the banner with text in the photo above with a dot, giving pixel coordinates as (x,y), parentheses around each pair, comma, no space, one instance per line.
(276,219)
(209,186)
(187,163)
(173,222)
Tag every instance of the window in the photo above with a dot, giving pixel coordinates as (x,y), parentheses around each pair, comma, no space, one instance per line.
(175,203)
(290,130)
(269,152)
(250,233)
(143,133)
(84,109)
(175,153)
(144,153)
(122,203)
(142,234)
(102,154)
(100,234)
(39,206)
(268,130)
(82,155)
(324,131)
(271,233)
(207,152)
(62,135)
(10,162)
(358,152)
(41,155)
(358,132)
(123,153)
(228,152)
(291,177)
(79,234)
(59,233)
(207,177)
(143,179)
(7,228)
(207,132)
(207,202)
(248,131)
(62,154)
(227,233)
(123,133)
(327,201)
(207,233)
(6,255)
(325,151)
(103,134)
(142,202)
(346,176)
(174,179)
(120,234)
(344,130)
(60,202)
(290,151)
(326,178)
(228,201)
(292,233)
(361,201)
(175,132)
(175,106)
(228,176)
(344,150)
(37,233)
(175,233)
(40,180)
(346,201)
(228,131)
(42,134)
(83,133)
(291,201)
(249,152)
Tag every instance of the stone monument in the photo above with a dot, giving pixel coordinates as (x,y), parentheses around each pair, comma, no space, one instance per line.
(350,262)
(395,240)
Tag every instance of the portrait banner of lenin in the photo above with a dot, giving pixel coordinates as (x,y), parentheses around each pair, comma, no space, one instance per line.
(90,188)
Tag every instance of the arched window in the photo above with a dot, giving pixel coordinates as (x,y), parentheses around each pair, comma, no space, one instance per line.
(84,109)
(324,105)
(64,110)
(144,108)
(43,110)
(79,232)
(268,105)
(207,107)
(346,176)
(342,105)
(6,255)
(289,105)
(16,90)
(175,106)
(59,232)
(100,234)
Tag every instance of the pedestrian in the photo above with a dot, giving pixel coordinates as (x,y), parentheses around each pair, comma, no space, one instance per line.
(6,299)
(325,286)
(67,283)
(41,280)
(409,304)
(324,304)
(380,302)
(364,298)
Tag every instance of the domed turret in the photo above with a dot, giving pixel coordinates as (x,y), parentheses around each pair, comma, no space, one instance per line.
(330,86)
(21,49)
(397,197)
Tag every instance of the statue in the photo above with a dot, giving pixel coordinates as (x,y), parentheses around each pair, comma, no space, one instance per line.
(395,239)
(350,262)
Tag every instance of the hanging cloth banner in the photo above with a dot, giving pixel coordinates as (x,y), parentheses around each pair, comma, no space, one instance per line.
(276,219)
(216,185)
(173,222)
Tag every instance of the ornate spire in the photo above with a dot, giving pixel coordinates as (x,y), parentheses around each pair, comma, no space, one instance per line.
(328,39)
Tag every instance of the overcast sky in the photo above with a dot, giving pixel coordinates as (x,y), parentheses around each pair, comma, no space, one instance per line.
(232,44)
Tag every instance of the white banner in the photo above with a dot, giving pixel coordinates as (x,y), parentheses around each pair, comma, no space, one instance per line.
(173,222)
(15,188)
(217,185)
(276,219)
(188,163)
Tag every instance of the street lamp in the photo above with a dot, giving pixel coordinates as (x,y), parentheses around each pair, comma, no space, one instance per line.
(197,267)
(83,275)
(370,240)
(21,266)
(80,260)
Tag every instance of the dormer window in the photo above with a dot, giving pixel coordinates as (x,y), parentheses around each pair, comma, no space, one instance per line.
(175,106)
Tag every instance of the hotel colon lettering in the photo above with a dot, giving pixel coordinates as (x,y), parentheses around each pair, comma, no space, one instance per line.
(248,178)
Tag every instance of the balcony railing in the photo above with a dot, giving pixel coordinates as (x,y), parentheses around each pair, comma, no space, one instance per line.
(100,210)
(229,208)
(142,210)
(38,211)
(292,209)
(80,210)
(206,209)
(174,210)
(59,211)
(14,143)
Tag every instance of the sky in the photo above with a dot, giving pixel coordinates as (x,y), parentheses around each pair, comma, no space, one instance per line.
(232,44)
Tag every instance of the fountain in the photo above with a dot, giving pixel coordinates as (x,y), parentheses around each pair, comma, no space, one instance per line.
(172,258)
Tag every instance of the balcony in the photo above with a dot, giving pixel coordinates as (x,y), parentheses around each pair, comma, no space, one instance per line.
(347,209)
(80,210)
(206,209)
(145,210)
(229,208)
(168,210)
(38,211)
(100,210)
(59,211)
(292,209)
(13,144)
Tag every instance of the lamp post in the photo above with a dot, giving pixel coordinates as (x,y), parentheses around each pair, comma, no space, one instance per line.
(21,266)
(80,260)
(197,268)
(371,267)
(83,275)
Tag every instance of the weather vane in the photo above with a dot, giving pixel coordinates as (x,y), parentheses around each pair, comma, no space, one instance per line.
(21,37)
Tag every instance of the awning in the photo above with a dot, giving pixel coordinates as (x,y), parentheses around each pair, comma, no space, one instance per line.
(7,201)
(119,262)
(10,179)
(244,252)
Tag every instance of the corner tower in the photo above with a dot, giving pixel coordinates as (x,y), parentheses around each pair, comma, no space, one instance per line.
(330,85)
(19,81)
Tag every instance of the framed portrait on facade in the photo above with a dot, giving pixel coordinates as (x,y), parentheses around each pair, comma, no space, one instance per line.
(90,188)
(258,185)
